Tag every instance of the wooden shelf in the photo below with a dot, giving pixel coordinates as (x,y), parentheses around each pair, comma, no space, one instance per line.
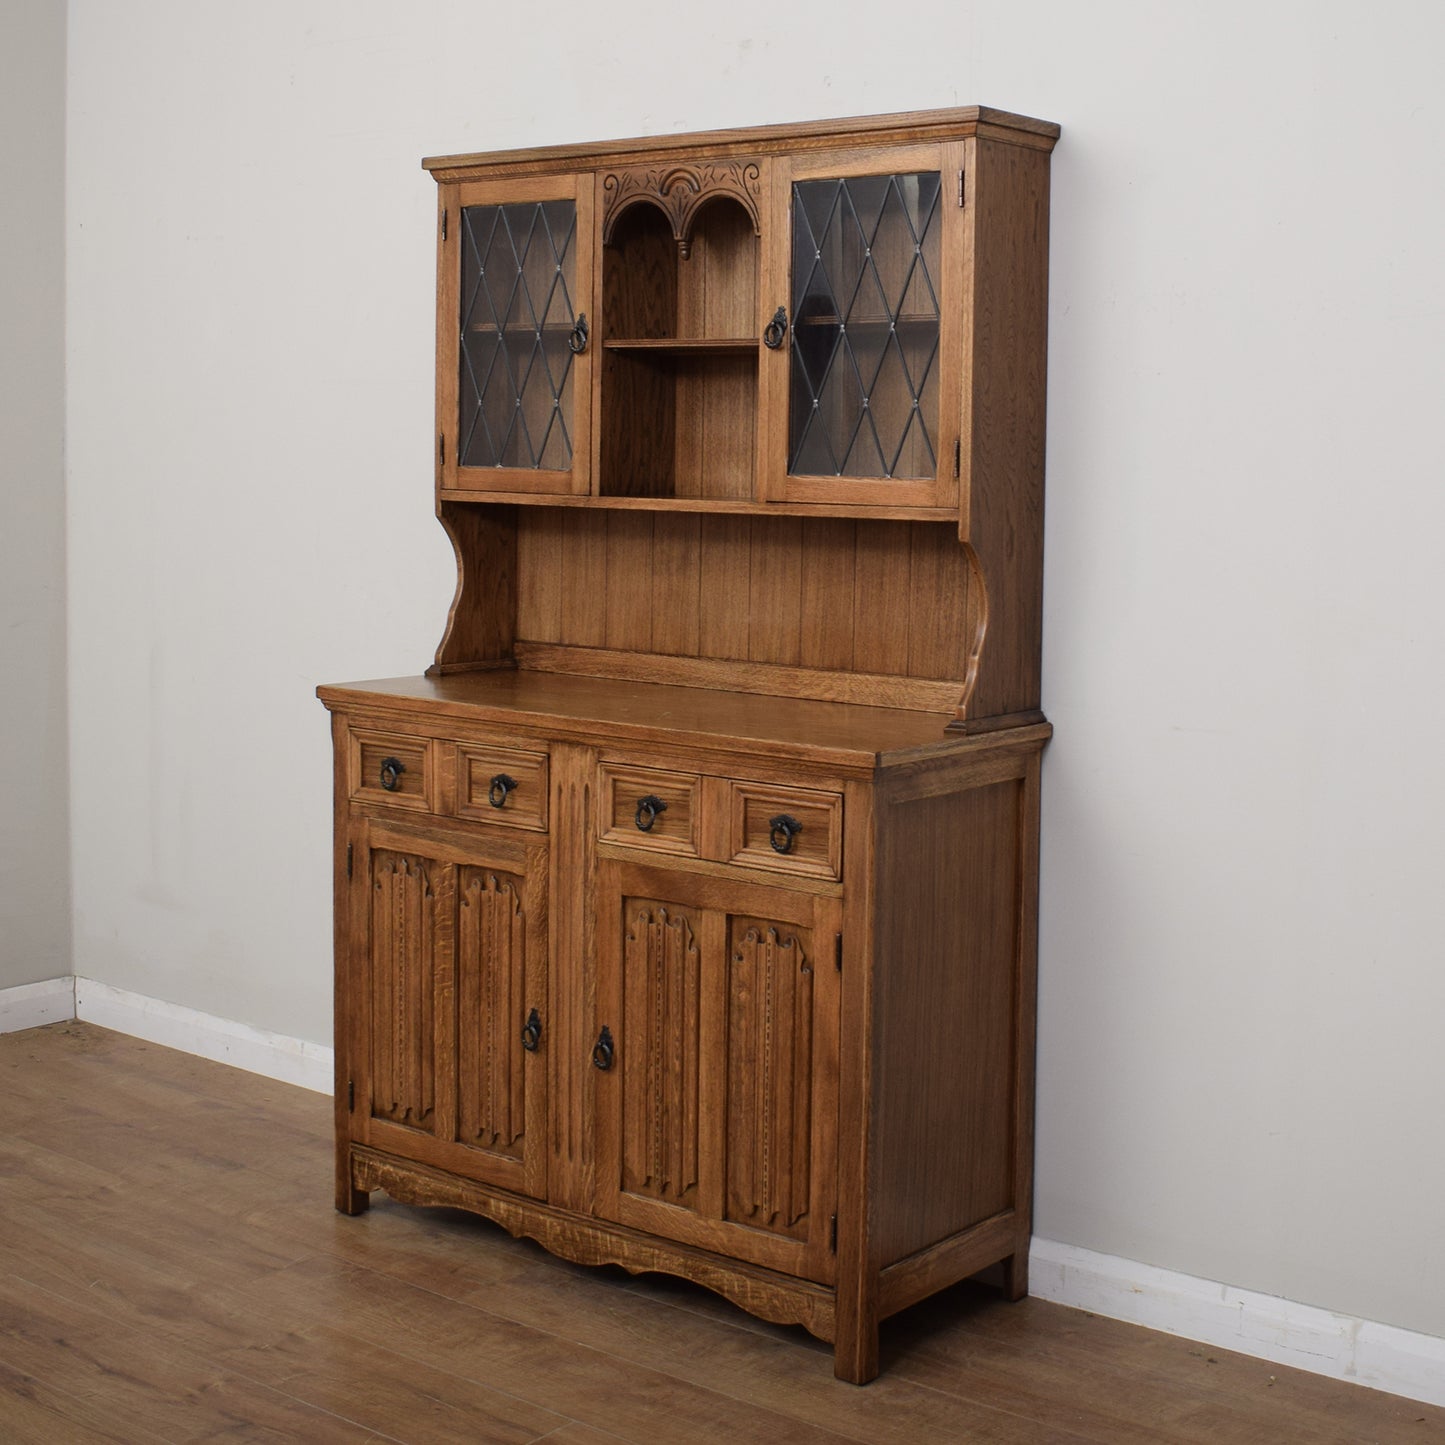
(704,504)
(686,345)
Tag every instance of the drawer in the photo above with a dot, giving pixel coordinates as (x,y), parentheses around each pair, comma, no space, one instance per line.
(506,786)
(791,830)
(391,768)
(649,808)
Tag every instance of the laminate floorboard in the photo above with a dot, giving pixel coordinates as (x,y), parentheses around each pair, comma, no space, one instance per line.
(171,1269)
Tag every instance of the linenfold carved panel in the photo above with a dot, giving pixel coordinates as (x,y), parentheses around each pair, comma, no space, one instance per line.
(680,191)
(770,1077)
(410,922)
(663,981)
(491,982)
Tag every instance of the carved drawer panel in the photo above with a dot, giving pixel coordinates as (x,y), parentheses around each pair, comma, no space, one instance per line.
(393,769)
(649,808)
(791,830)
(506,786)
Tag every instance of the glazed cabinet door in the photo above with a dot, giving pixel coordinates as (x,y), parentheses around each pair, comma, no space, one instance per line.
(862,372)
(447,999)
(514,343)
(717,1049)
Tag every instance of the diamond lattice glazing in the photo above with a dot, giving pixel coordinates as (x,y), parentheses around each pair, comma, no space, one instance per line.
(515,383)
(864,390)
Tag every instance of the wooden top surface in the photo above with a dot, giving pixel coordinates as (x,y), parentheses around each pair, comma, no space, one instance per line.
(905,126)
(844,735)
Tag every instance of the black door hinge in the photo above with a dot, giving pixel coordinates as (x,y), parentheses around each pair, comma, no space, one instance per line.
(350,1095)
(442,448)
(833,1233)
(838,951)
(960,187)
(957,457)
(348,860)
(444,225)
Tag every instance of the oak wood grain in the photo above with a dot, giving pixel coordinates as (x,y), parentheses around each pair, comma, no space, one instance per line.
(848,735)
(1003,460)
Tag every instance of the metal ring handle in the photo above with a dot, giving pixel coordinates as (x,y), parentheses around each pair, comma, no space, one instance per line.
(391,771)
(532,1032)
(774,330)
(603,1051)
(577,337)
(647,810)
(781,832)
(501,786)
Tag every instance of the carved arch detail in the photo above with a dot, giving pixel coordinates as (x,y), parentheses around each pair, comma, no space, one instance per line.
(680,192)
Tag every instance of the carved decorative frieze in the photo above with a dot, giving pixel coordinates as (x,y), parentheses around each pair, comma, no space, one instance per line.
(680,191)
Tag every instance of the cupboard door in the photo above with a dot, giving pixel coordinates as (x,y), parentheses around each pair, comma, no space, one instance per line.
(514,345)
(717,1104)
(864,389)
(450,1005)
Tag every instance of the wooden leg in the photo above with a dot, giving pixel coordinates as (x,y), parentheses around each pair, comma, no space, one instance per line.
(855,1341)
(1016,1275)
(352,1201)
(349,1199)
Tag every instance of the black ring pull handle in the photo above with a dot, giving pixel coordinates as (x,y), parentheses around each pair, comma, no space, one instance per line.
(577,337)
(781,832)
(501,786)
(647,810)
(602,1050)
(774,331)
(532,1033)
(391,771)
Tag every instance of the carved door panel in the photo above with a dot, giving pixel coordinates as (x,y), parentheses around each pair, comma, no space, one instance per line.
(449,971)
(864,387)
(717,1104)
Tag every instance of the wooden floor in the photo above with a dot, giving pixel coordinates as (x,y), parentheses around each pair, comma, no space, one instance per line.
(171,1269)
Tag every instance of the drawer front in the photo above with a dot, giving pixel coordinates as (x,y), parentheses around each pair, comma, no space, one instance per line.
(649,808)
(393,769)
(506,786)
(789,830)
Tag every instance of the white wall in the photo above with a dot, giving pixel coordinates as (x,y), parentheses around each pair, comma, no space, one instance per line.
(34,817)
(1240,1070)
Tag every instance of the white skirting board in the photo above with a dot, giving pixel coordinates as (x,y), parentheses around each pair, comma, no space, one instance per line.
(1382,1357)
(32,1004)
(293,1061)
(1400,1362)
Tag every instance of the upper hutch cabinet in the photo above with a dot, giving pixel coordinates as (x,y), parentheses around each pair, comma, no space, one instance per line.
(771,320)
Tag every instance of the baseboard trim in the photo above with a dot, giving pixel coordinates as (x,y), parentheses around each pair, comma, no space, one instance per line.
(258,1051)
(1382,1357)
(32,1005)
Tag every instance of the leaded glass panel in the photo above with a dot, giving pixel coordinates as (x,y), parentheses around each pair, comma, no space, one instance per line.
(515,382)
(863,397)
